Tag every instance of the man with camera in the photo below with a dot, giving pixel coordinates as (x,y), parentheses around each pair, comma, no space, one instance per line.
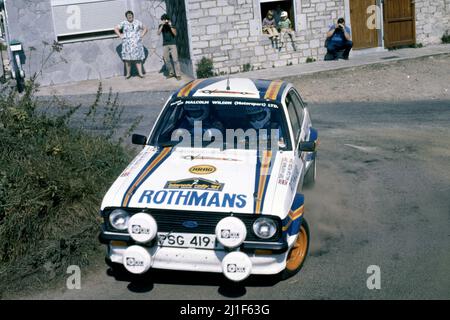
(339,39)
(169,33)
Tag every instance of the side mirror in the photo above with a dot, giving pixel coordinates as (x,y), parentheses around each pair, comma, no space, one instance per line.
(139,139)
(307,146)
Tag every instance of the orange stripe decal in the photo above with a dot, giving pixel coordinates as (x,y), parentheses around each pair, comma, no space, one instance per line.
(265,165)
(273,90)
(188,88)
(294,215)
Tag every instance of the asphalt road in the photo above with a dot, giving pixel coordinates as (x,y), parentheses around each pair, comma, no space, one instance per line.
(382,198)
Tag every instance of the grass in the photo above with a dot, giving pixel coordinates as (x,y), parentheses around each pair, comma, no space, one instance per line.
(53,175)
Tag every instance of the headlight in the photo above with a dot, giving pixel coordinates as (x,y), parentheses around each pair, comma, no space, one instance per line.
(119,219)
(264,228)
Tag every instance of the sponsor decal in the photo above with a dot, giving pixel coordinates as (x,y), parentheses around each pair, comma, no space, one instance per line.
(228,234)
(285,171)
(294,178)
(193,198)
(194,183)
(234,268)
(137,229)
(236,103)
(140,158)
(132,262)
(202,169)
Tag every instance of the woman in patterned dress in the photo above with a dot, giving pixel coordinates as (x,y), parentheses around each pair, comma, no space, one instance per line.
(131,32)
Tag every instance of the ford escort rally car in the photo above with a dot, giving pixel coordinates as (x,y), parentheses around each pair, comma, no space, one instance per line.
(220,202)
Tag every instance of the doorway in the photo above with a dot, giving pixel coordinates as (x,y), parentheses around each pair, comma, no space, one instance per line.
(363,36)
(399,23)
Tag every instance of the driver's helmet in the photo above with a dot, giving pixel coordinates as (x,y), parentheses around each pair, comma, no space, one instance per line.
(259,117)
(196,113)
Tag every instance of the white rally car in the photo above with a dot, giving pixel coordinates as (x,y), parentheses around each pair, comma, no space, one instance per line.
(221,202)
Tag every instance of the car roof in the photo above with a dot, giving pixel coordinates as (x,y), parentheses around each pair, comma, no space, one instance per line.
(271,90)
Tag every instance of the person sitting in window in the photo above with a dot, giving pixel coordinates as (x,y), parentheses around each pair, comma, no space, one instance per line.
(270,28)
(339,40)
(285,27)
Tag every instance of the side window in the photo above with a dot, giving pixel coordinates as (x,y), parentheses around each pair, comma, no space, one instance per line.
(278,6)
(298,104)
(296,125)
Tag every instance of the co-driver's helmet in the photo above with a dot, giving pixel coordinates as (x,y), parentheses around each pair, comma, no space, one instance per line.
(259,117)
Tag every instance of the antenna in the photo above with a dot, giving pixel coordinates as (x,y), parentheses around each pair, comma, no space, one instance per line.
(228,82)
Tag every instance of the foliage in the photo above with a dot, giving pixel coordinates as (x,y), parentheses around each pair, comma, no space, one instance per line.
(205,68)
(53,175)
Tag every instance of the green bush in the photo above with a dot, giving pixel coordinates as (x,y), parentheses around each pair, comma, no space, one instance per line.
(205,68)
(53,176)
(247,67)
(446,37)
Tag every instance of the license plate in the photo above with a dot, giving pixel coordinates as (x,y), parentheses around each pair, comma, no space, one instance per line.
(186,240)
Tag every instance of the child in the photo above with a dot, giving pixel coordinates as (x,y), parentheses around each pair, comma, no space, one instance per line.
(285,26)
(270,28)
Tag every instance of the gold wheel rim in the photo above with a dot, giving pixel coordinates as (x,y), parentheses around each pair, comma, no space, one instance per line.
(298,251)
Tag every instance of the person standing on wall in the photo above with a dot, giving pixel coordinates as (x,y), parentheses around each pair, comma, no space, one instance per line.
(169,33)
(131,31)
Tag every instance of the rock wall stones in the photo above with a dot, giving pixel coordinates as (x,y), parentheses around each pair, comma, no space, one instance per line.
(229,32)
(432,20)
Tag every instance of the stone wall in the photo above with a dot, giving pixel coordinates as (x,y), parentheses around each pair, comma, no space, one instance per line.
(30,21)
(229,32)
(432,20)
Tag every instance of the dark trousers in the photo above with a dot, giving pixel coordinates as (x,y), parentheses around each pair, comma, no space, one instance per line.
(334,47)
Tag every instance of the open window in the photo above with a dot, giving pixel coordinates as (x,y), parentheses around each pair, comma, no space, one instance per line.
(277,6)
(81,20)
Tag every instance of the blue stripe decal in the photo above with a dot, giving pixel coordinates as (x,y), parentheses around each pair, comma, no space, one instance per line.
(262,178)
(262,86)
(126,201)
(149,162)
(293,226)
(257,176)
(161,161)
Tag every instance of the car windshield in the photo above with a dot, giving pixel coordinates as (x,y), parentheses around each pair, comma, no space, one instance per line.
(222,123)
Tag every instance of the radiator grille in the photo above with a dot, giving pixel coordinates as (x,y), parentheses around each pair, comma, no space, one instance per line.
(172,221)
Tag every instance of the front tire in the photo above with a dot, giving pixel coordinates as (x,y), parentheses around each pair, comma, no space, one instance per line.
(297,254)
(116,270)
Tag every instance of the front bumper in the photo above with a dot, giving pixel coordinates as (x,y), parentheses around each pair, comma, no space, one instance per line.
(279,247)
(186,259)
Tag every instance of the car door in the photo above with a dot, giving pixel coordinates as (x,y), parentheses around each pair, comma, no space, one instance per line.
(297,118)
